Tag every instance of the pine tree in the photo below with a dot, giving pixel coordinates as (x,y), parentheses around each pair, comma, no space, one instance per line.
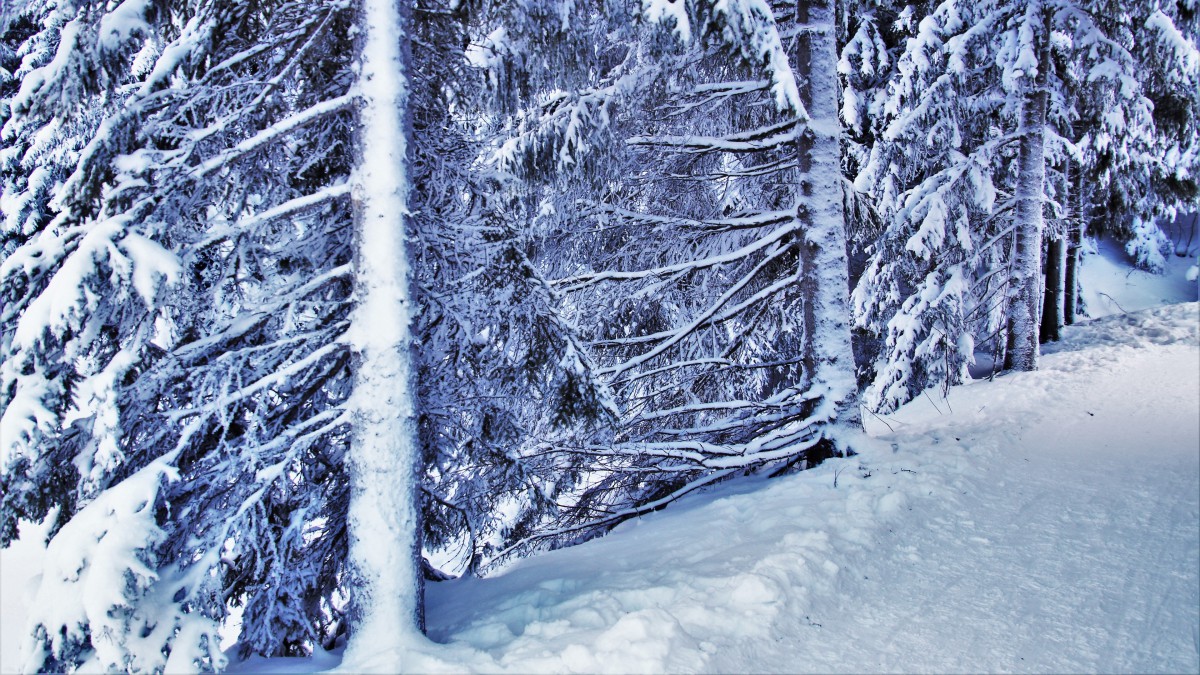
(968,167)
(928,171)
(697,256)
(220,386)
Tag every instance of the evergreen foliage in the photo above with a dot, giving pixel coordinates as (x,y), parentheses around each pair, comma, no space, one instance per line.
(631,239)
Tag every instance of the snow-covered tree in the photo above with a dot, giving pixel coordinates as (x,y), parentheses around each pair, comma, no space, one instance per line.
(968,168)
(691,222)
(178,184)
(1143,168)
(187,304)
(928,172)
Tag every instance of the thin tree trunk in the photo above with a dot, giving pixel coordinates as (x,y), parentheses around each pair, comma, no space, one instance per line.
(1027,260)
(384,457)
(1074,245)
(1071,277)
(1052,304)
(828,358)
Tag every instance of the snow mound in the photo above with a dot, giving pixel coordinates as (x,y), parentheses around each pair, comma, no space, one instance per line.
(1111,285)
(699,587)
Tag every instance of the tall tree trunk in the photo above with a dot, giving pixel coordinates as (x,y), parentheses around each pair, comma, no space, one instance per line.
(386,586)
(1071,276)
(828,356)
(1074,244)
(1052,304)
(1027,258)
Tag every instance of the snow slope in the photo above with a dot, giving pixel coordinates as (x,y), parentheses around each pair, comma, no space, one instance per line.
(1049,523)
(1111,286)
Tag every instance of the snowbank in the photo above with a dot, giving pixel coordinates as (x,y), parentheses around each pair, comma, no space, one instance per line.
(1110,284)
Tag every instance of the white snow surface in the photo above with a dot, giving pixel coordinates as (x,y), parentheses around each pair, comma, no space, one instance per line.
(1049,523)
(1041,522)
(1111,286)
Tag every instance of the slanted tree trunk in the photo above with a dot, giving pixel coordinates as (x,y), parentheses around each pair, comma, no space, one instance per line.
(1024,318)
(829,358)
(1052,303)
(384,457)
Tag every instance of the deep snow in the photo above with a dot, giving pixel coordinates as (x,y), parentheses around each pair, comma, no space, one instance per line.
(1045,521)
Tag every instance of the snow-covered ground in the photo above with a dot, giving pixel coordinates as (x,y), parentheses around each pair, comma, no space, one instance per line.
(1111,286)
(1045,521)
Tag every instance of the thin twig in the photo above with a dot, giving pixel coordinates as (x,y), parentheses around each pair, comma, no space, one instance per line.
(926,392)
(1114,301)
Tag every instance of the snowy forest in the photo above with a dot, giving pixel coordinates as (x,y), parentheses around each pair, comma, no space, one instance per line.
(307,306)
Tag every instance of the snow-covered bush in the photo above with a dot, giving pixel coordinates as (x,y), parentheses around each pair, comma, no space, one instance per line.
(1148,245)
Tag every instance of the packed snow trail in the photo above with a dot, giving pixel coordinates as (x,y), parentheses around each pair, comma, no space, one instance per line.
(1049,523)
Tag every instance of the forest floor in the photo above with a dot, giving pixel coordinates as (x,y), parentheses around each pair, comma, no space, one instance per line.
(1039,522)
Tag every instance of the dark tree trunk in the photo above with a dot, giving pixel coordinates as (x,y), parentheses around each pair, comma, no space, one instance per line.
(1052,304)
(1071,276)
(1071,273)
(1075,220)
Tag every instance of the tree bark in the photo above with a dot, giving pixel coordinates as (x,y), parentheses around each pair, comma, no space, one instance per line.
(386,610)
(1052,304)
(828,357)
(1074,244)
(1024,317)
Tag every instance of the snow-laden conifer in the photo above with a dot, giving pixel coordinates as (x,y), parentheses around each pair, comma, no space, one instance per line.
(991,109)
(687,222)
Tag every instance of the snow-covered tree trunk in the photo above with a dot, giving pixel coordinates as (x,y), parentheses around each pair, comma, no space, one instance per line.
(1024,306)
(384,456)
(828,355)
